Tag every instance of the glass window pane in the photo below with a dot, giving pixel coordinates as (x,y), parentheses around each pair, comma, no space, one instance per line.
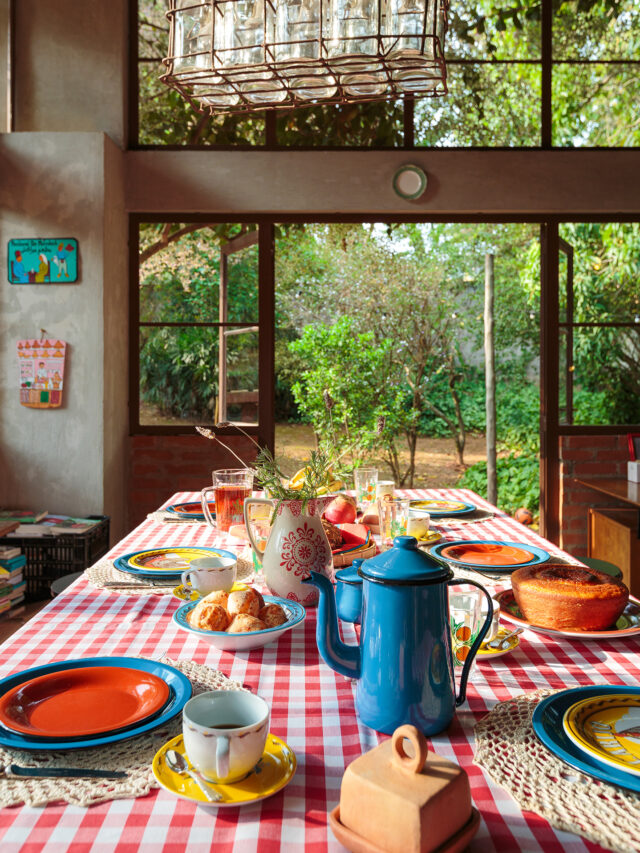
(599,30)
(606,271)
(482,29)
(180,278)
(487,105)
(596,105)
(241,376)
(153,28)
(606,375)
(565,381)
(166,118)
(178,376)
(377,124)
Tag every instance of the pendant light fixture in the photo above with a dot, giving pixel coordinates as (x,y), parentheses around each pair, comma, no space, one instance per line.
(242,55)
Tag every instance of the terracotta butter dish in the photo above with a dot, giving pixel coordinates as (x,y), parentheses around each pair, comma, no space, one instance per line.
(392,802)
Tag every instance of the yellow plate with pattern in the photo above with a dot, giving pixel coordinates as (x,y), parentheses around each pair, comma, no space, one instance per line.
(172,560)
(188,593)
(271,774)
(607,727)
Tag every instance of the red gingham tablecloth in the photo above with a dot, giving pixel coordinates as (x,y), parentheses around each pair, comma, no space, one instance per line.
(312,710)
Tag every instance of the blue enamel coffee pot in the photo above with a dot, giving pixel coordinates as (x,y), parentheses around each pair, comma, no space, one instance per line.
(404,663)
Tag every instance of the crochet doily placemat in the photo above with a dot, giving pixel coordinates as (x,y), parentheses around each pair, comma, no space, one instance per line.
(509,751)
(104,572)
(134,756)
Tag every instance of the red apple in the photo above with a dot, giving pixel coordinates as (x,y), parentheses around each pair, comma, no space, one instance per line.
(341,510)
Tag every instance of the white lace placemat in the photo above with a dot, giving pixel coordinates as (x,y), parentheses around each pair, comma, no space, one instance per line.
(509,751)
(105,576)
(133,755)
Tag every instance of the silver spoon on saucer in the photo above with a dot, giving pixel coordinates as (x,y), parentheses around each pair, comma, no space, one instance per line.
(179,764)
(499,642)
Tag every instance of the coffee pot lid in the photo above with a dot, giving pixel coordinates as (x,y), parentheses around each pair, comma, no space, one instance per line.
(351,574)
(404,564)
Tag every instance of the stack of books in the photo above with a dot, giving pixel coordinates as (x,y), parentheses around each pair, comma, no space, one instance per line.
(12,581)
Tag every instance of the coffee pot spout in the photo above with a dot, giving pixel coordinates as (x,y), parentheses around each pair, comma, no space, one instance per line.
(344,659)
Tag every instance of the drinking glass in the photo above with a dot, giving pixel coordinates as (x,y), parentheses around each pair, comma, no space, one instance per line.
(464,615)
(231,486)
(365,480)
(394,519)
(297,28)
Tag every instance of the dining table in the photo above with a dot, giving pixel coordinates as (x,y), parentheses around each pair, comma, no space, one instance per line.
(312,710)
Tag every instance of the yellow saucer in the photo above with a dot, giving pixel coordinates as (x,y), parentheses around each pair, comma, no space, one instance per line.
(431,538)
(274,770)
(512,643)
(188,593)
(607,728)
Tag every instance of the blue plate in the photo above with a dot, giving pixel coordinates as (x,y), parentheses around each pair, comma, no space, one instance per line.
(539,555)
(180,692)
(174,509)
(415,508)
(547,725)
(122,563)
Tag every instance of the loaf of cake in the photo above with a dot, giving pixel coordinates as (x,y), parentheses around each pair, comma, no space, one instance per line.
(568,598)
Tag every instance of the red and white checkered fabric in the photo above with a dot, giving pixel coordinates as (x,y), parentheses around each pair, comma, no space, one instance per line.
(312,710)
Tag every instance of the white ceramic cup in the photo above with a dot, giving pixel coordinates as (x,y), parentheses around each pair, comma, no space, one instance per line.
(207,574)
(225,732)
(418,525)
(492,633)
(385,489)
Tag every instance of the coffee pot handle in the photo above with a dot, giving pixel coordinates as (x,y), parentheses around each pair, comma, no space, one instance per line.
(462,695)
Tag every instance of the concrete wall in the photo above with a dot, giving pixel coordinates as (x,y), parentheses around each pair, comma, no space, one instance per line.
(70,66)
(68,460)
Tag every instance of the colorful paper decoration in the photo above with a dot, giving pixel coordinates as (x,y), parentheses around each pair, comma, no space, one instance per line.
(43,261)
(41,372)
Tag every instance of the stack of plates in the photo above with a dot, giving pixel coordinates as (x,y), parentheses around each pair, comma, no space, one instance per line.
(191,510)
(165,563)
(89,702)
(596,730)
(492,555)
(438,508)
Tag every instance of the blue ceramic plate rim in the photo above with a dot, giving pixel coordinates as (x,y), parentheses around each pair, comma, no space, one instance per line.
(179,685)
(436,513)
(180,618)
(199,515)
(539,554)
(122,563)
(553,736)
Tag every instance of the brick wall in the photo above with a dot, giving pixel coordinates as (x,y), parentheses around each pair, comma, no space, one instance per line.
(160,465)
(593,457)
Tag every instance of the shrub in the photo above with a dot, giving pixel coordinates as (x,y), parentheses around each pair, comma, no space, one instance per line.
(518,482)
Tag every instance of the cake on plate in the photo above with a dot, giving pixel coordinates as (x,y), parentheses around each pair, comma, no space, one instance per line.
(568,598)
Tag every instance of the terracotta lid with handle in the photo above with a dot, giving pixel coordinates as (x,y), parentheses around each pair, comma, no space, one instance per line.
(402,798)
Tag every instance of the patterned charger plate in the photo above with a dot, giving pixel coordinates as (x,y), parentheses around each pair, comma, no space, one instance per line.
(608,729)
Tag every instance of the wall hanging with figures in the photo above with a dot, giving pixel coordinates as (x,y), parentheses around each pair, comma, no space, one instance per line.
(43,261)
(41,372)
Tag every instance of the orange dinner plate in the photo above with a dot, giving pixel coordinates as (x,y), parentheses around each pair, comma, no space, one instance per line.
(487,554)
(82,702)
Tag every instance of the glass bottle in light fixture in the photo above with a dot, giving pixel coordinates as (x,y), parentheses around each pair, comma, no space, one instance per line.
(297,49)
(409,30)
(353,46)
(192,33)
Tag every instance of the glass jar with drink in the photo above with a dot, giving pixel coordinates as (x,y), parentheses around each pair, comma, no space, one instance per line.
(231,487)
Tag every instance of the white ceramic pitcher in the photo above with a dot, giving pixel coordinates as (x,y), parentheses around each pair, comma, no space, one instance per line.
(296,546)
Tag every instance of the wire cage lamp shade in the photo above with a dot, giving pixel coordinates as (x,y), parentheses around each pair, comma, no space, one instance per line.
(242,55)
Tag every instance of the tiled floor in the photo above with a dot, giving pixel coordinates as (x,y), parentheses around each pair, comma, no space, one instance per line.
(9,624)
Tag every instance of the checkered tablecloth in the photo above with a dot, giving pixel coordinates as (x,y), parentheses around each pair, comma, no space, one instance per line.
(312,710)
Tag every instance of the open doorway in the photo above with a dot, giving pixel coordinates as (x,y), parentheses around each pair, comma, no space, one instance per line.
(388,318)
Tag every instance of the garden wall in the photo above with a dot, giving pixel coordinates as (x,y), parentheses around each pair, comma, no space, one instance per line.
(593,457)
(161,465)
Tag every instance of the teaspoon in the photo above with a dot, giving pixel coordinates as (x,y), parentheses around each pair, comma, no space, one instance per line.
(178,763)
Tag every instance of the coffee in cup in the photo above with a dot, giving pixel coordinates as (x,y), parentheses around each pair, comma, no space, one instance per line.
(225,732)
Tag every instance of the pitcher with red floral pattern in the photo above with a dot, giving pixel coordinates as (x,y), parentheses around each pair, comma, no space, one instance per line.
(296,546)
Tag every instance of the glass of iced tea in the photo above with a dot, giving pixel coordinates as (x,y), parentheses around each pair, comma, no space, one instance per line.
(231,487)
